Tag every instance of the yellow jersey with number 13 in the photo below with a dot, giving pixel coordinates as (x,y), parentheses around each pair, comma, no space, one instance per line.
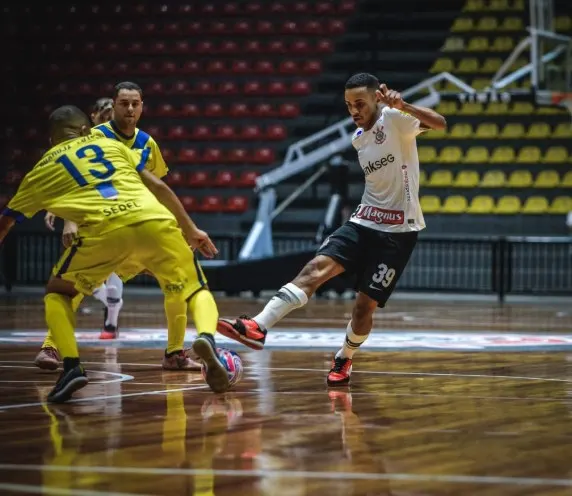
(140,141)
(92,181)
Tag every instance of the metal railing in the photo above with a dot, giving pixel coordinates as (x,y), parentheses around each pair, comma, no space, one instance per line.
(486,265)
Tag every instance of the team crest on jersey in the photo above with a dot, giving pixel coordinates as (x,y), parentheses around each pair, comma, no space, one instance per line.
(379,136)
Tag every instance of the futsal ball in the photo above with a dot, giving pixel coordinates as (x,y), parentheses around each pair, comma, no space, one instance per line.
(231,362)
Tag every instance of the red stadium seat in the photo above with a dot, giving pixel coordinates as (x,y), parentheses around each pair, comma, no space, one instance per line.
(300,88)
(228,47)
(242,27)
(253,8)
(219,28)
(277,8)
(211,203)
(182,46)
(149,29)
(188,156)
(204,88)
(189,202)
(252,46)
(190,110)
(13,177)
(135,47)
(180,88)
(205,47)
(253,88)
(212,155)
(226,132)
(198,179)
(224,179)
(208,9)
(98,69)
(237,156)
(186,9)
(168,155)
(214,110)
(230,9)
(154,131)
(277,88)
(288,67)
(289,110)
(239,110)
(166,110)
(263,156)
(300,46)
(168,67)
(228,88)
(236,204)
(216,67)
(240,67)
(276,46)
(289,27)
(177,133)
(301,8)
(126,29)
(263,110)
(264,28)
(251,132)
(172,28)
(155,88)
(335,27)
(324,46)
(191,67)
(175,178)
(312,67)
(276,132)
(325,8)
(158,47)
(264,67)
(247,179)
(346,7)
(145,67)
(313,28)
(85,89)
(200,133)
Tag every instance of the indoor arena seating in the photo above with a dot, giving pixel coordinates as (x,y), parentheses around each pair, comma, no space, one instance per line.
(223,82)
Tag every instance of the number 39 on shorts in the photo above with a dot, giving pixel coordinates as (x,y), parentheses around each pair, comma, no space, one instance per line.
(384,275)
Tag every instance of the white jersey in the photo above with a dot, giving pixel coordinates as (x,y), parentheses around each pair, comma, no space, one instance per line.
(387,154)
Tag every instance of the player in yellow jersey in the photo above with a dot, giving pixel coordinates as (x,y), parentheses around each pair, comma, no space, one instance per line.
(128,220)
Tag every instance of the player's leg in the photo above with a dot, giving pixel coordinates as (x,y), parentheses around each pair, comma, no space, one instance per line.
(48,357)
(113,304)
(337,254)
(386,256)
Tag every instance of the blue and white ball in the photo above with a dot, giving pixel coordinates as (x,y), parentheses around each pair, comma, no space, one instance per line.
(232,363)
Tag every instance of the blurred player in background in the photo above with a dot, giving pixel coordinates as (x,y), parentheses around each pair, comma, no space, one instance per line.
(119,117)
(376,243)
(130,220)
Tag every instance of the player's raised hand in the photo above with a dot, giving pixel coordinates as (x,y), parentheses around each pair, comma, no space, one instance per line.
(69,234)
(199,240)
(391,98)
(50,220)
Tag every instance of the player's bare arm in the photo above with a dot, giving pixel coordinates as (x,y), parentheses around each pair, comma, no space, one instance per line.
(429,118)
(50,220)
(69,233)
(6,224)
(196,238)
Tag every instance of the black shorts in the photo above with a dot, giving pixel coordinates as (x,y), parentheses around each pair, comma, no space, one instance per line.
(376,258)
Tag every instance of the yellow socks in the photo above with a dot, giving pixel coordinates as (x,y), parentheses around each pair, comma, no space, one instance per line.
(49,341)
(204,312)
(61,320)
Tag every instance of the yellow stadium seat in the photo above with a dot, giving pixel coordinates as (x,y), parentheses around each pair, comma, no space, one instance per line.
(430,204)
(478,44)
(474,6)
(468,65)
(547,179)
(471,108)
(481,204)
(441,179)
(508,205)
(512,131)
(462,24)
(528,155)
(502,155)
(487,24)
(518,4)
(466,179)
(434,134)
(487,130)
(562,23)
(535,205)
(491,65)
(502,44)
(561,205)
(563,130)
(476,155)
(499,5)
(497,108)
(522,108)
(455,204)
(422,177)
(555,155)
(446,108)
(538,130)
(442,65)
(450,155)
(453,44)
(567,180)
(461,131)
(427,154)
(520,179)
(511,24)
(480,83)
(493,179)
(550,110)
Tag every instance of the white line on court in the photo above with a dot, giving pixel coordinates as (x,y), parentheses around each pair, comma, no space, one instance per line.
(106,397)
(57,491)
(300,474)
(119,377)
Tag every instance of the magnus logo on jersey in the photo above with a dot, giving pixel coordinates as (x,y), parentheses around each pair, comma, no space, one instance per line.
(379,136)
(378,164)
(379,215)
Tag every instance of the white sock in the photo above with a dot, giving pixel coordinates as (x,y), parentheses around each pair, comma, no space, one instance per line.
(351,343)
(101,294)
(114,302)
(288,298)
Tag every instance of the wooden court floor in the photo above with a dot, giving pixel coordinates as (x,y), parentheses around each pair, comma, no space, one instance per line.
(450,398)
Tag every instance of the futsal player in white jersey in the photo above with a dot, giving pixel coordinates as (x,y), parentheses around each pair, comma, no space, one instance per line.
(378,239)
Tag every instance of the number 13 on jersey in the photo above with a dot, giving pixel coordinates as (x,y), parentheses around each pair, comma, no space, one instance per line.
(102,181)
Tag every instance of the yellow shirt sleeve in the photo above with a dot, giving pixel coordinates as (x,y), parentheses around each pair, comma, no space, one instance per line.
(156,163)
(26,203)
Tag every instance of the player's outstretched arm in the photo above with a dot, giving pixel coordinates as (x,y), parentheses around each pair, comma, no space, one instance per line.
(428,117)
(6,224)
(196,238)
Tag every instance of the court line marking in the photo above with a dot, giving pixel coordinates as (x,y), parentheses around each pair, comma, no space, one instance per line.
(300,474)
(120,377)
(32,489)
(105,397)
